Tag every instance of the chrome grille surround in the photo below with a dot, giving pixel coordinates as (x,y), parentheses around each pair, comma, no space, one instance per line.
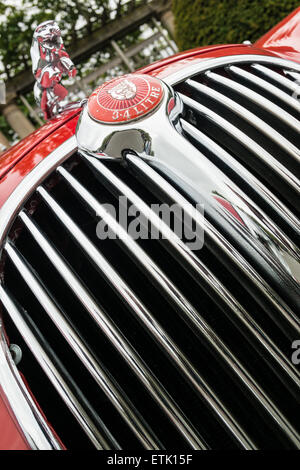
(208,64)
(151,169)
(25,410)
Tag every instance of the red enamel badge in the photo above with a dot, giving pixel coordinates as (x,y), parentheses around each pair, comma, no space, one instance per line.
(125,99)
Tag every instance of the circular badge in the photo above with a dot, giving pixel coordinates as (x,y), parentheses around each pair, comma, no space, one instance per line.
(125,99)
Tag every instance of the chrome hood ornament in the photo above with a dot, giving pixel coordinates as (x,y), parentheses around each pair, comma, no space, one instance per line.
(50,62)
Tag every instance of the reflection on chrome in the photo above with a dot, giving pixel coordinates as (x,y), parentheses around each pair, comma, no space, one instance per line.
(29,419)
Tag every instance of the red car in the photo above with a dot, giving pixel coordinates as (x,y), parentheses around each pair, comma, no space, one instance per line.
(114,339)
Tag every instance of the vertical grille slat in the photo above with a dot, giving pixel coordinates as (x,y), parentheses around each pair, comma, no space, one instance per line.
(154,178)
(129,355)
(294,75)
(269,198)
(284,174)
(185,254)
(265,85)
(56,375)
(161,337)
(34,426)
(188,313)
(80,349)
(277,77)
(260,101)
(117,339)
(233,122)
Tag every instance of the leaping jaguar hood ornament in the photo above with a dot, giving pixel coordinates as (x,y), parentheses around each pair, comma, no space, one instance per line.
(50,62)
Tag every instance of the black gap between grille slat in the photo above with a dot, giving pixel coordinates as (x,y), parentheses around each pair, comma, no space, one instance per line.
(250,130)
(264,92)
(211,312)
(275,122)
(68,303)
(272,80)
(173,268)
(47,397)
(245,157)
(246,187)
(123,319)
(61,369)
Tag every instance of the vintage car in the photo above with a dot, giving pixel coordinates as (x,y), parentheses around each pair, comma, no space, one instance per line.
(169,341)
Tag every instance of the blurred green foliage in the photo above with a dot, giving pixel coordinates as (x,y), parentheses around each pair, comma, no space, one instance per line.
(77,18)
(204,22)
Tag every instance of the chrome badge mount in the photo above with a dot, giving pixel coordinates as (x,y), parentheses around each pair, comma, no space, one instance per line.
(50,62)
(131,113)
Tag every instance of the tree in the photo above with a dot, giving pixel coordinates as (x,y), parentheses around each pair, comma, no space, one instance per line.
(204,22)
(77,18)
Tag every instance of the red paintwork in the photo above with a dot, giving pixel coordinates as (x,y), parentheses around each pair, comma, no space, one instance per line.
(284,39)
(145,94)
(166,67)
(9,158)
(32,158)
(11,437)
(19,160)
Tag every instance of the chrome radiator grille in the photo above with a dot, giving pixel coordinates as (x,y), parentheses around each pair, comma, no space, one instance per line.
(248,111)
(145,343)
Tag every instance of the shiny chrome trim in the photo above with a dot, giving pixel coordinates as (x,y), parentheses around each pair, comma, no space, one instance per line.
(262,102)
(247,176)
(25,409)
(17,398)
(151,141)
(8,213)
(53,374)
(255,148)
(127,352)
(94,367)
(277,77)
(236,258)
(205,64)
(112,182)
(294,75)
(186,310)
(107,140)
(13,205)
(35,177)
(265,85)
(131,300)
